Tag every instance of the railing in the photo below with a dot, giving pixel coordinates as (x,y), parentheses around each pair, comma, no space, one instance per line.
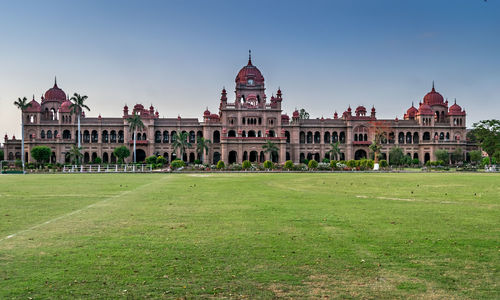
(111,168)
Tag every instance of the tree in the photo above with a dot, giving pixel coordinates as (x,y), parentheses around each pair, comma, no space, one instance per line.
(22,104)
(457,155)
(270,148)
(475,156)
(75,154)
(121,153)
(1,155)
(380,131)
(181,142)
(334,150)
(202,146)
(396,156)
(487,132)
(442,155)
(312,164)
(135,124)
(303,114)
(77,108)
(41,153)
(246,165)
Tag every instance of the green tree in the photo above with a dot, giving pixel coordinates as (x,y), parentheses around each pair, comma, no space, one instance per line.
(268,164)
(487,133)
(75,154)
(334,151)
(77,106)
(457,155)
(121,153)
(177,163)
(396,156)
(181,142)
(202,147)
(246,165)
(22,104)
(270,148)
(442,155)
(135,124)
(41,153)
(303,114)
(220,165)
(475,156)
(289,165)
(2,155)
(313,164)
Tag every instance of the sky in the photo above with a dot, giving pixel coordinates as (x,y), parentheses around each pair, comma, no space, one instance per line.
(324,55)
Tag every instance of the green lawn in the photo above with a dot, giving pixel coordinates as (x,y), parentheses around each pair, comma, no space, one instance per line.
(434,236)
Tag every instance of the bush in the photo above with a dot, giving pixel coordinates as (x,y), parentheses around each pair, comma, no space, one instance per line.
(220,165)
(41,153)
(383,163)
(268,164)
(415,162)
(19,163)
(323,166)
(475,156)
(151,160)
(326,160)
(197,162)
(369,164)
(97,160)
(396,156)
(305,161)
(176,164)
(351,163)
(246,165)
(312,164)
(333,164)
(289,165)
(442,155)
(121,153)
(160,160)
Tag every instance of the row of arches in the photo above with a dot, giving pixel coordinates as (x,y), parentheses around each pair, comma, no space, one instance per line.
(309,137)
(250,133)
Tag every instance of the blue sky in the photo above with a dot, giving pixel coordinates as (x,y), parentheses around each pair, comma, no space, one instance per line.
(325,55)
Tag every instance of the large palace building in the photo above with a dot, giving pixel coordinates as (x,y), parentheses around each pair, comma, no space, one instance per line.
(240,129)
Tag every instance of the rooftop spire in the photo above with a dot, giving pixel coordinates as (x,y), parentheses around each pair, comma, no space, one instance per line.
(55,81)
(249,57)
(433,86)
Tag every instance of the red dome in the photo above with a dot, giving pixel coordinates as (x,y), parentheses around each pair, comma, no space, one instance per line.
(65,107)
(455,109)
(425,109)
(412,111)
(55,94)
(249,72)
(35,106)
(296,114)
(433,97)
(207,112)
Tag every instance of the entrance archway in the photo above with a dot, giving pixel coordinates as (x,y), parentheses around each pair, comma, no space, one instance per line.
(359,154)
(253,156)
(140,155)
(232,157)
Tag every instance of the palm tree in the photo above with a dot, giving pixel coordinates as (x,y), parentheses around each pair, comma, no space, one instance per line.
(181,142)
(76,108)
(22,104)
(334,150)
(75,154)
(270,148)
(135,123)
(202,146)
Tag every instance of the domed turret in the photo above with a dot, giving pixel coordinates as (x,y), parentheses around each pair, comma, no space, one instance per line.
(55,94)
(425,109)
(455,110)
(65,107)
(249,75)
(433,97)
(411,112)
(35,106)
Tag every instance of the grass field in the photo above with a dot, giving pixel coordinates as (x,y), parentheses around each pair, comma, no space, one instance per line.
(434,236)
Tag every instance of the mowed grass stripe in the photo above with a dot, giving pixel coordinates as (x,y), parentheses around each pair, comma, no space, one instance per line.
(267,236)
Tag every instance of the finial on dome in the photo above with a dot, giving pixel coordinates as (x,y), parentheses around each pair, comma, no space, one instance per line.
(55,81)
(249,57)
(433,86)
(412,104)
(455,100)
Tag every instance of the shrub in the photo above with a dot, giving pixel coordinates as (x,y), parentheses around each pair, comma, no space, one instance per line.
(396,156)
(333,164)
(268,164)
(246,165)
(235,167)
(305,161)
(97,160)
(326,160)
(369,164)
(475,156)
(151,160)
(197,162)
(19,163)
(176,164)
(161,161)
(41,153)
(121,153)
(383,163)
(351,163)
(415,162)
(220,165)
(442,155)
(289,165)
(323,166)
(312,164)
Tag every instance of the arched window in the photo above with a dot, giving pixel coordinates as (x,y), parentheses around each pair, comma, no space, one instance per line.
(172,136)
(253,156)
(113,136)
(447,136)
(216,137)
(302,137)
(441,136)
(317,137)
(138,136)
(302,157)
(245,155)
(271,133)
(105,137)
(326,138)
(192,137)
(335,137)
(287,135)
(157,136)
(67,135)
(233,155)
(144,137)
(427,136)
(105,158)
(94,136)
(401,138)
(309,137)
(49,134)
(216,157)
(121,136)
(199,134)
(415,138)
(408,137)
(251,133)
(243,133)
(342,137)
(231,133)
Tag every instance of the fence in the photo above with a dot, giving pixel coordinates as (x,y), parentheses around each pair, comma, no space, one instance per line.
(118,168)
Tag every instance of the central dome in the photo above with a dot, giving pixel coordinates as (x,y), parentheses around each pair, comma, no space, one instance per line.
(433,97)
(55,94)
(249,75)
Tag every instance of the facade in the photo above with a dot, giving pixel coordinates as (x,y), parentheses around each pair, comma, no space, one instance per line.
(240,129)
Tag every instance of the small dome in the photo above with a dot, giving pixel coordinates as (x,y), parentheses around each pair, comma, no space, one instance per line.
(455,109)
(35,106)
(249,75)
(412,111)
(296,114)
(425,109)
(433,97)
(360,109)
(55,94)
(207,112)
(65,107)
